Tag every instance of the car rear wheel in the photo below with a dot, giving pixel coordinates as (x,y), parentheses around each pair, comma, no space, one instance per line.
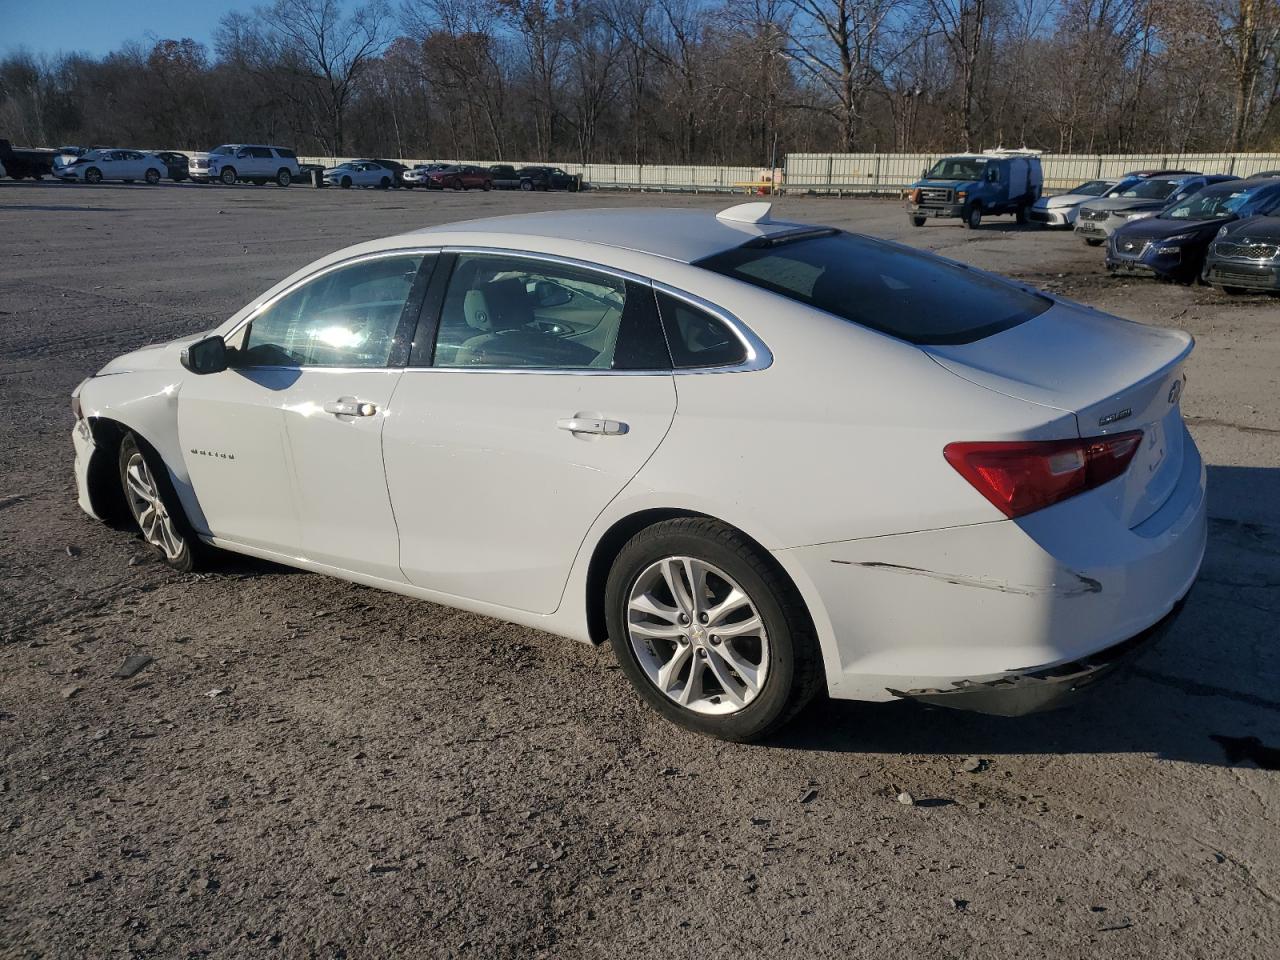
(1021,215)
(710,631)
(152,176)
(93,175)
(155,506)
(918,221)
(228,176)
(283,177)
(973,218)
(1094,241)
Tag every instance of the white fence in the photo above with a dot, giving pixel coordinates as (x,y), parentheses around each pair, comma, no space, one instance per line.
(861,173)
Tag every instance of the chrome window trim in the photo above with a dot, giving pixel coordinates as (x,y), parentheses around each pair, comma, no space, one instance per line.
(759,356)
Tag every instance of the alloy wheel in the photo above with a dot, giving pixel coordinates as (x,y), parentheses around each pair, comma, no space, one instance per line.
(149,510)
(697,635)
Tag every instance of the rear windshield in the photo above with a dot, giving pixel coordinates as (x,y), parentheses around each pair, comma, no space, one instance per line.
(906,294)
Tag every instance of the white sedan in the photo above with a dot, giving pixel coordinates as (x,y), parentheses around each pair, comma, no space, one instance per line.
(1059,209)
(761,459)
(127,165)
(360,173)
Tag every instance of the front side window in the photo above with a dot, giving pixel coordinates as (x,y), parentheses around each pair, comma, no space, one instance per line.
(905,293)
(513,312)
(349,317)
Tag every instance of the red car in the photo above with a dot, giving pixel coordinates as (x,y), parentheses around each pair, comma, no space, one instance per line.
(460,178)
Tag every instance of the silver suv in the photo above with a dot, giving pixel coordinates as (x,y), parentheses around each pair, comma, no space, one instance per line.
(253,163)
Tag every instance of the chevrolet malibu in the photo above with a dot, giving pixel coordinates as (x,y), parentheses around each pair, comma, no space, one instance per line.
(761,459)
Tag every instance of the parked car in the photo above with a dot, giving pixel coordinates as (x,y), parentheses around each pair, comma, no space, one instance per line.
(416,176)
(1245,256)
(1172,244)
(20,162)
(398,170)
(1145,196)
(360,173)
(505,176)
(547,178)
(973,186)
(1060,209)
(126,165)
(253,163)
(1000,498)
(64,156)
(459,177)
(198,166)
(177,165)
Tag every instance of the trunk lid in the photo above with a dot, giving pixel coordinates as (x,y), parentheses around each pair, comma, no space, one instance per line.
(1113,374)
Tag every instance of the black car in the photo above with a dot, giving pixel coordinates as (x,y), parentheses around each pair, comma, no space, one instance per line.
(397,170)
(1172,244)
(177,164)
(547,178)
(505,177)
(1245,255)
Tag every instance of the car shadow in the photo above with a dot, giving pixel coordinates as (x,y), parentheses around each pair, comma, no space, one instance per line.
(1208,692)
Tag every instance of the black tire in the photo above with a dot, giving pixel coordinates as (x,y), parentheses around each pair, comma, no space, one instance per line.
(93,175)
(457,184)
(283,177)
(973,217)
(345,184)
(486,186)
(228,175)
(526,184)
(918,221)
(193,553)
(1021,215)
(384,184)
(1094,241)
(795,671)
(152,176)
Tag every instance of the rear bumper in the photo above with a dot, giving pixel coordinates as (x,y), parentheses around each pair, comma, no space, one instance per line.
(1002,603)
(1224,273)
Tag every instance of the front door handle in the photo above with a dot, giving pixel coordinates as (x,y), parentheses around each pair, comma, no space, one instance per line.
(608,428)
(350,407)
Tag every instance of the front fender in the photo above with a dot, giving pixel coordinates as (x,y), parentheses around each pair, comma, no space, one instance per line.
(146,402)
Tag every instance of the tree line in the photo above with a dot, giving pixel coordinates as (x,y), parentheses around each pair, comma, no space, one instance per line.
(675,81)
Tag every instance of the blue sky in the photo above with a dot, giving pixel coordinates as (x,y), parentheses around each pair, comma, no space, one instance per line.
(50,26)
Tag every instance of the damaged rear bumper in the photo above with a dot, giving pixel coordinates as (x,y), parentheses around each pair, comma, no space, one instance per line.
(1042,688)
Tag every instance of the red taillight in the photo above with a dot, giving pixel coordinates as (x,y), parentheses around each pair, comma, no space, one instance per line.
(1022,476)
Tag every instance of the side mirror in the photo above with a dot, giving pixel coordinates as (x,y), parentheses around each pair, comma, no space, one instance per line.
(547,294)
(205,356)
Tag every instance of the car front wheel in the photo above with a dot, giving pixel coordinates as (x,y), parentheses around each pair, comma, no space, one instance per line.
(228,176)
(710,631)
(155,506)
(93,175)
(973,219)
(152,176)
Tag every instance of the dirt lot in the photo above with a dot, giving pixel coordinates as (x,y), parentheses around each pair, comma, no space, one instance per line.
(314,769)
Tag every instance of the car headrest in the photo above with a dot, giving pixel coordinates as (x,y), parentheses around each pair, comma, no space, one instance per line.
(509,306)
(475,310)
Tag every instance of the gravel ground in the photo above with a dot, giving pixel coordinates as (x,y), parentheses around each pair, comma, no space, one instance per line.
(314,769)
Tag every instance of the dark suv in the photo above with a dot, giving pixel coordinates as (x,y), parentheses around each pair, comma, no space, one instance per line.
(547,178)
(1173,243)
(505,176)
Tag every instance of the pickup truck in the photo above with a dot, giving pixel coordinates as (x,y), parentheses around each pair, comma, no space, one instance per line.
(971,186)
(19,162)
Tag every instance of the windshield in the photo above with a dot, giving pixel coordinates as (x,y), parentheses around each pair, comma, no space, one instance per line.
(905,293)
(1091,188)
(957,168)
(225,148)
(1150,190)
(1213,203)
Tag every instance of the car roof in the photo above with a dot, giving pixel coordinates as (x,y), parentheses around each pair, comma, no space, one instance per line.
(677,234)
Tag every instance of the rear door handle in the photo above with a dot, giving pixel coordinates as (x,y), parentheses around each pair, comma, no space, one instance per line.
(608,428)
(350,407)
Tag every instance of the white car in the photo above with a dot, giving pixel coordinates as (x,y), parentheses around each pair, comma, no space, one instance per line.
(253,163)
(1059,210)
(761,458)
(360,173)
(419,173)
(127,165)
(198,167)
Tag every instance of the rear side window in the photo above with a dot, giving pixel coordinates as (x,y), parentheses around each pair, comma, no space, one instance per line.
(696,338)
(286,154)
(913,296)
